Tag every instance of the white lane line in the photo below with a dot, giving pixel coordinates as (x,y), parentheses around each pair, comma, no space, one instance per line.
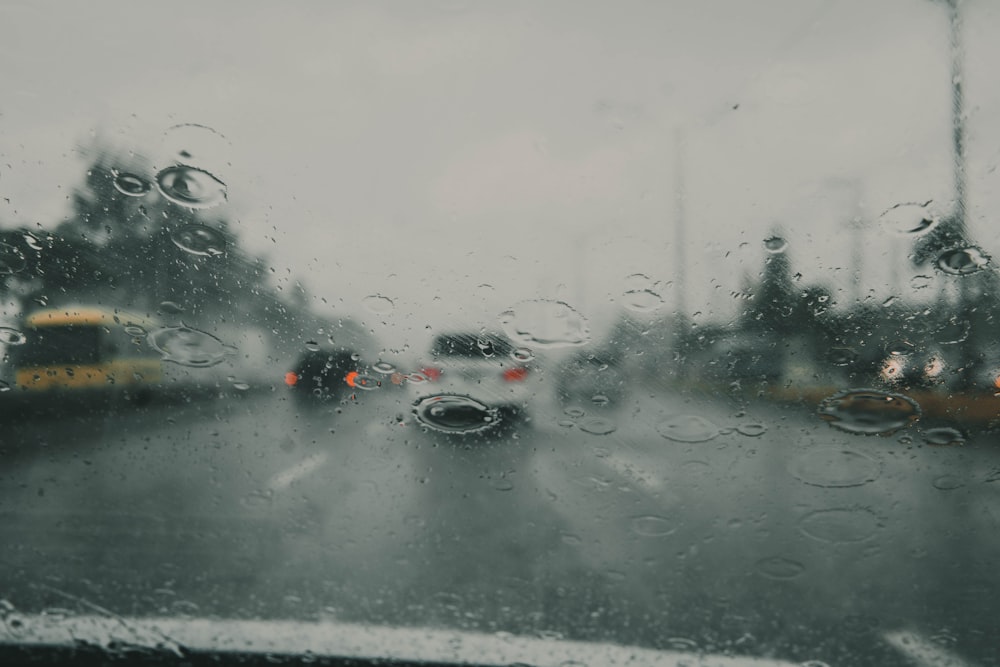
(287,477)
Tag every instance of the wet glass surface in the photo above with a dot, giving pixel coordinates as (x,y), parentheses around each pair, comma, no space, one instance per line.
(467,331)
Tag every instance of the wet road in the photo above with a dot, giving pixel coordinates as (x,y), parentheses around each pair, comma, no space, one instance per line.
(668,521)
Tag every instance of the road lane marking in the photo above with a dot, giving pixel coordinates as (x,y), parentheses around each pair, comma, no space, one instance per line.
(286,478)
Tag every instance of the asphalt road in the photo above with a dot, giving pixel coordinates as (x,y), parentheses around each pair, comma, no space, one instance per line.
(767,533)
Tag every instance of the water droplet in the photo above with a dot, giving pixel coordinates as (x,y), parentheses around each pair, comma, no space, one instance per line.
(194,144)
(355,356)
(840,525)
(575,413)
(170,308)
(378,304)
(834,467)
(953,332)
(11,259)
(416,378)
(365,382)
(452,413)
(637,281)
(842,356)
(868,411)
(384,367)
(545,324)
(189,347)
(653,526)
(642,301)
(920,282)
(502,484)
(688,428)
(32,242)
(130,184)
(599,399)
(4,386)
(241,386)
(962,261)
(134,330)
(775,245)
(190,187)
(948,482)
(909,219)
(199,240)
(777,567)
(751,430)
(522,354)
(311,345)
(900,348)
(598,426)
(944,436)
(10,336)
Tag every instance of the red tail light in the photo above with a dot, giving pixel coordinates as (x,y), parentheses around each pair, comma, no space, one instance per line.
(515,374)
(431,373)
(291,378)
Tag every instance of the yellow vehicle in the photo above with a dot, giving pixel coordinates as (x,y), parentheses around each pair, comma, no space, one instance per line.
(84,347)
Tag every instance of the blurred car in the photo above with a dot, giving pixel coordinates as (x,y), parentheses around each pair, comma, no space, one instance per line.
(484,367)
(335,368)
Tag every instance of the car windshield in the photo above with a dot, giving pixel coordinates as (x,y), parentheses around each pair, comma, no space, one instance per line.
(457,331)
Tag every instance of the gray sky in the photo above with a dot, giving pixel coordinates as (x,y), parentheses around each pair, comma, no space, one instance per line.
(458,157)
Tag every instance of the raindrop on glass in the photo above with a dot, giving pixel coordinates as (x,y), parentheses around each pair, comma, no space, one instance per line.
(948,482)
(190,187)
(597,426)
(522,354)
(312,345)
(134,330)
(900,348)
(868,411)
(544,323)
(840,525)
(199,240)
(378,304)
(11,259)
(842,356)
(189,347)
(10,336)
(753,430)
(241,386)
(688,428)
(384,367)
(599,399)
(642,301)
(130,184)
(962,261)
(170,308)
(909,219)
(775,245)
(456,414)
(653,526)
(944,436)
(575,413)
(194,144)
(365,382)
(834,467)
(777,567)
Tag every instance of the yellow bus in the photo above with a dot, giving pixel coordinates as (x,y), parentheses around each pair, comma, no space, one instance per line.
(84,347)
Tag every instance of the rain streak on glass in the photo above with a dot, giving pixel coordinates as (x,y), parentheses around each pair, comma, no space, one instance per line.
(199,240)
(962,261)
(775,245)
(452,413)
(190,187)
(130,184)
(909,219)
(11,259)
(544,323)
(868,411)
(688,428)
(189,347)
(10,336)
(170,308)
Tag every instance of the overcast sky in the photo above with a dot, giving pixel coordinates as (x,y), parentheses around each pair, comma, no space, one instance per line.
(458,157)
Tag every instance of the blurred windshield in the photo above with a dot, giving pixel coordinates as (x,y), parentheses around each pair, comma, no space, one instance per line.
(731,269)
